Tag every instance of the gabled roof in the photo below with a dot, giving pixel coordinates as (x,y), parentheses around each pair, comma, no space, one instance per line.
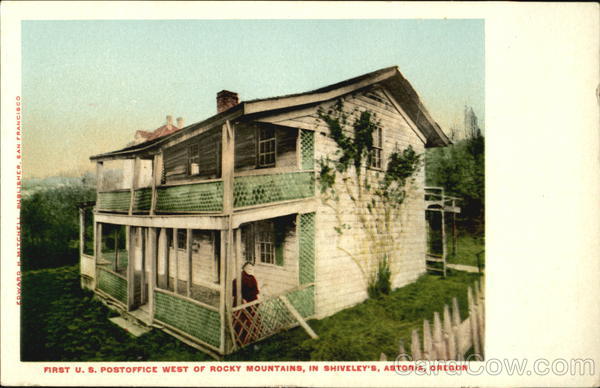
(389,77)
(159,132)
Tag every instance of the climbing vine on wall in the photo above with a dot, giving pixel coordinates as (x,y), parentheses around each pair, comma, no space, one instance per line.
(377,194)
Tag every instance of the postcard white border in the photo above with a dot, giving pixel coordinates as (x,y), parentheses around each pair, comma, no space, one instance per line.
(542,182)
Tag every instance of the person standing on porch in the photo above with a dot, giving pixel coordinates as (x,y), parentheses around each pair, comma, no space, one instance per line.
(246,320)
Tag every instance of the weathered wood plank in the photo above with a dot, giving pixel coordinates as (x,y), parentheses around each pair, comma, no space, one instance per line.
(298,317)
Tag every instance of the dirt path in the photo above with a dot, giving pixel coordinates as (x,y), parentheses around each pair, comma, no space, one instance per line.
(462,267)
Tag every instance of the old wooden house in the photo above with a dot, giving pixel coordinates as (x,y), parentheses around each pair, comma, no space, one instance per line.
(176,217)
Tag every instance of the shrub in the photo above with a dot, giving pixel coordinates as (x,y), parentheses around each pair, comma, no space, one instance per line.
(381,283)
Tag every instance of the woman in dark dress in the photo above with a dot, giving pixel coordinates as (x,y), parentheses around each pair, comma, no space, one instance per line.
(247,325)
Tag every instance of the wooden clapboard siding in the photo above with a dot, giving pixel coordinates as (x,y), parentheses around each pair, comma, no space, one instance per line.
(340,283)
(204,269)
(246,152)
(245,147)
(176,157)
(286,146)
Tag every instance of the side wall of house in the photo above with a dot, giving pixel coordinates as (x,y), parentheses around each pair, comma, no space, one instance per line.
(340,281)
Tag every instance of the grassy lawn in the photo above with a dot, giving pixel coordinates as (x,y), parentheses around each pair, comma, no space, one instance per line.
(60,322)
(467,248)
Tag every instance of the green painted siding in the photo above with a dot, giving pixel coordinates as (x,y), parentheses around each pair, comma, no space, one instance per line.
(307,143)
(307,248)
(258,189)
(113,285)
(115,201)
(205,197)
(188,317)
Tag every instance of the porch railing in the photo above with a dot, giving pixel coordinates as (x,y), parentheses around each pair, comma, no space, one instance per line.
(207,197)
(262,318)
(120,200)
(195,197)
(112,284)
(254,190)
(116,200)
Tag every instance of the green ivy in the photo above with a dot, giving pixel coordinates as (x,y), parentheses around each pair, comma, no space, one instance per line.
(380,192)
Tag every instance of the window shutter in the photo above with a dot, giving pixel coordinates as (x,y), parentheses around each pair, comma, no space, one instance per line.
(279,243)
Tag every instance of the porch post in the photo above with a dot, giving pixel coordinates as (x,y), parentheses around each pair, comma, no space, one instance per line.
(176,249)
(131,268)
(238,266)
(222,295)
(115,264)
(153,241)
(188,251)
(81,230)
(98,241)
(144,293)
(164,255)
(227,257)
(157,173)
(136,163)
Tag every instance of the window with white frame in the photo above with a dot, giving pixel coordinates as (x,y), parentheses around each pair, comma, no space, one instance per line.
(377,149)
(265,243)
(267,147)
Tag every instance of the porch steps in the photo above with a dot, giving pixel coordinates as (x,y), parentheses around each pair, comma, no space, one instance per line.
(130,327)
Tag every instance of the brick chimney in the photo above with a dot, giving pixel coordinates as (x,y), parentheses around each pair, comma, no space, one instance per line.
(226,100)
(169,121)
(179,122)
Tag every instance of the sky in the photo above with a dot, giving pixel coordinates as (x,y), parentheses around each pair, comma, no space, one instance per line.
(87,86)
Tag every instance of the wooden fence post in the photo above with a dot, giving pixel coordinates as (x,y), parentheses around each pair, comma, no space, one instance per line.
(402,352)
(415,346)
(438,340)
(481,317)
(456,328)
(473,322)
(428,351)
(449,335)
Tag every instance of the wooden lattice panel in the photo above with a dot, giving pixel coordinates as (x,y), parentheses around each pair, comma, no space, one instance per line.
(258,189)
(198,197)
(189,317)
(113,285)
(307,248)
(258,321)
(307,145)
(303,301)
(113,201)
(142,199)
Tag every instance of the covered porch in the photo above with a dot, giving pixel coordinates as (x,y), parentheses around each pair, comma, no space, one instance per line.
(178,273)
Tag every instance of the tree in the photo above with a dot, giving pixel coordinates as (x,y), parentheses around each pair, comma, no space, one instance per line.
(460,170)
(50,226)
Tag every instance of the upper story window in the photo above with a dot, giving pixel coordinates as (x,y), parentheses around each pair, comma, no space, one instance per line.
(377,150)
(266,147)
(193,159)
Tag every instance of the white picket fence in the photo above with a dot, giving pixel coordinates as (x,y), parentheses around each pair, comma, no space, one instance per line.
(451,338)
